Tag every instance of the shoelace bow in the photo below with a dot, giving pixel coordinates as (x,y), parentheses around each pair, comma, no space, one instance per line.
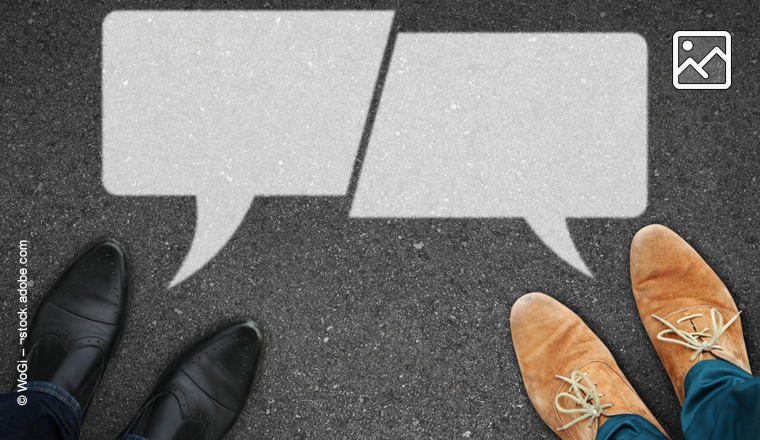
(693,340)
(584,396)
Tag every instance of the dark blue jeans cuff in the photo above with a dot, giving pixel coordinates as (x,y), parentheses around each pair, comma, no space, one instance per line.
(133,437)
(59,393)
(40,411)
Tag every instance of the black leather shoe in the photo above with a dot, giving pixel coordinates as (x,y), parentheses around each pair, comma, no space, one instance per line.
(79,322)
(202,392)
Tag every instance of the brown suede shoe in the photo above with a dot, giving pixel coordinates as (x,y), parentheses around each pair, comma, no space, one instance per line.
(686,310)
(571,377)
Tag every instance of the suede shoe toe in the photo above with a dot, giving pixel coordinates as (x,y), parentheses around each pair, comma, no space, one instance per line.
(570,376)
(686,309)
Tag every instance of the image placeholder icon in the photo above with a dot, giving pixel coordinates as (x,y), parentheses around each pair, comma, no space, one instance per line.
(702,60)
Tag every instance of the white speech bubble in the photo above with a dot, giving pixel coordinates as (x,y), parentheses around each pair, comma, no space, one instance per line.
(229,105)
(543,126)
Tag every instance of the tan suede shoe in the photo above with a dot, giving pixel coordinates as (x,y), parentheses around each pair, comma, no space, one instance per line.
(686,310)
(571,377)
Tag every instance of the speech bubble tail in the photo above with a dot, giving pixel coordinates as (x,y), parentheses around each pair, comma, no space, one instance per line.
(218,217)
(557,237)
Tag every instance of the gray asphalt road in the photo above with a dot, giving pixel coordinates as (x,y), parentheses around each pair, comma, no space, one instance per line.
(368,335)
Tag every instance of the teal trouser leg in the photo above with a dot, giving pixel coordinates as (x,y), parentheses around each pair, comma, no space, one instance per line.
(722,402)
(629,427)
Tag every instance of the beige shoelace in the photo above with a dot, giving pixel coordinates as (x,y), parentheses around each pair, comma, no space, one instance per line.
(693,340)
(584,396)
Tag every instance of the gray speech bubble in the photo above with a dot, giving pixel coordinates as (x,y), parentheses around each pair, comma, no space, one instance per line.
(543,126)
(228,105)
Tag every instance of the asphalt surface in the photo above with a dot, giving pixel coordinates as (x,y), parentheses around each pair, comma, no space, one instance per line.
(368,335)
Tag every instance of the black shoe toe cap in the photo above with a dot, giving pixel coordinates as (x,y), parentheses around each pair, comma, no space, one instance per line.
(210,381)
(95,285)
(223,363)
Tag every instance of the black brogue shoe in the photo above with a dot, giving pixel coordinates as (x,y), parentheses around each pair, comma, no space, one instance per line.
(79,322)
(202,392)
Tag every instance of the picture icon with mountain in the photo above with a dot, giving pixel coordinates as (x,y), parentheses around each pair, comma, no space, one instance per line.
(702,60)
